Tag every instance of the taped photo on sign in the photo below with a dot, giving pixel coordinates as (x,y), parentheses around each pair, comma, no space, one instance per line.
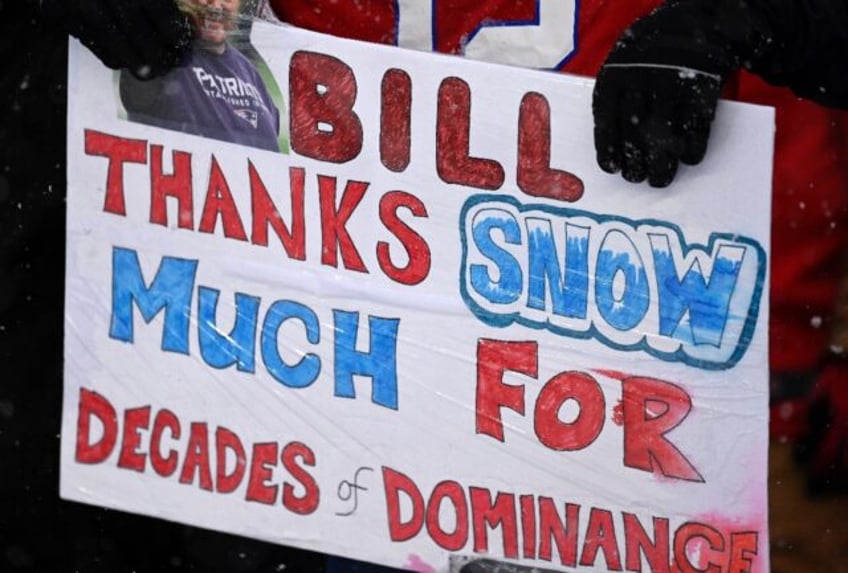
(223,90)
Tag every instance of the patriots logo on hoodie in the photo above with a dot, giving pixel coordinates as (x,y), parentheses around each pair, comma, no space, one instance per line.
(248,115)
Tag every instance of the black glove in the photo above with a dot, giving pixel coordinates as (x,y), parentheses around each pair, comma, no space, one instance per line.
(148,37)
(657,92)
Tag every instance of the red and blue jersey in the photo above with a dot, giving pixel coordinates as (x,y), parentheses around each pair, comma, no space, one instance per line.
(566,35)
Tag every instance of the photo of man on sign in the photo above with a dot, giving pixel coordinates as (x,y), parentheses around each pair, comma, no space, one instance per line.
(218,92)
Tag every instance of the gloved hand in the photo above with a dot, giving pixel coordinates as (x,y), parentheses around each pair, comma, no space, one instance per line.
(148,37)
(823,451)
(657,92)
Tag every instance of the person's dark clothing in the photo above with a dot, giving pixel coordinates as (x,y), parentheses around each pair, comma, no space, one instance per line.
(795,43)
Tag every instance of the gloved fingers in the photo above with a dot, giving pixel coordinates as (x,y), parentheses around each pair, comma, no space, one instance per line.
(605,100)
(170,22)
(682,109)
(152,35)
(661,163)
(662,143)
(97,27)
(632,114)
(158,34)
(695,140)
(607,147)
(134,30)
(172,29)
(695,133)
(697,115)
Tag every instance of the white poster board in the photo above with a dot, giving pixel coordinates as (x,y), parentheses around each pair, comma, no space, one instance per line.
(429,327)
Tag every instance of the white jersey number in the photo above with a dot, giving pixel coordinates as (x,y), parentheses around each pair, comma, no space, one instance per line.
(545,42)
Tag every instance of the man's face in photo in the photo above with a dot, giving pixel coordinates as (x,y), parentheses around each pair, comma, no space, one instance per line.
(213,19)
